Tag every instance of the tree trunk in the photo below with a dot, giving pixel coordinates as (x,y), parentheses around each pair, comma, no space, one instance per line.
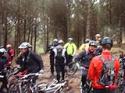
(88,25)
(35,37)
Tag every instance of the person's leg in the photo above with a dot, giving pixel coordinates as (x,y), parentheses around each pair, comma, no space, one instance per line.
(83,80)
(63,72)
(70,60)
(67,60)
(57,72)
(52,65)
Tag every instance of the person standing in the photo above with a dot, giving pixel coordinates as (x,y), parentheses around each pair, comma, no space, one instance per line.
(84,58)
(71,48)
(10,52)
(103,70)
(60,60)
(54,44)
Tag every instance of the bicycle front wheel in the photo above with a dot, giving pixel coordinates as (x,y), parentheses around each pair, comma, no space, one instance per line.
(14,89)
(72,69)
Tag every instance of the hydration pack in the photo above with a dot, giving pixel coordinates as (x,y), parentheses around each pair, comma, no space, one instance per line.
(59,52)
(107,75)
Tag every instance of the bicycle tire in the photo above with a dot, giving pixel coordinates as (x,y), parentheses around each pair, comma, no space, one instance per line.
(26,88)
(86,88)
(72,69)
(13,88)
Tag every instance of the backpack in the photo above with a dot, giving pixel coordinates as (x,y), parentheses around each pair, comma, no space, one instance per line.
(59,52)
(60,57)
(107,74)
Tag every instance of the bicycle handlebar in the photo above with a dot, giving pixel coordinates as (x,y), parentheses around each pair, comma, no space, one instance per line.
(31,74)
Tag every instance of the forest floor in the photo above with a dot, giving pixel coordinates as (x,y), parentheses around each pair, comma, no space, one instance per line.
(73,82)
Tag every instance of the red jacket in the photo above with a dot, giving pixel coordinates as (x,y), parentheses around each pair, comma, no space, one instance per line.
(11,54)
(96,66)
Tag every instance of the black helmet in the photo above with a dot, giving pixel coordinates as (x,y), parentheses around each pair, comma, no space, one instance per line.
(93,43)
(106,40)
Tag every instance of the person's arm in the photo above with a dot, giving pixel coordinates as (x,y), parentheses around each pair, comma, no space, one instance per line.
(82,48)
(79,56)
(12,52)
(38,60)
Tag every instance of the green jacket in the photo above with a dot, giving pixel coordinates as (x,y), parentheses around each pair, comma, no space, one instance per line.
(70,48)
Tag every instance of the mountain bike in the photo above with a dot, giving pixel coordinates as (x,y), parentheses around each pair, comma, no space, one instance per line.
(85,88)
(25,84)
(72,68)
(53,87)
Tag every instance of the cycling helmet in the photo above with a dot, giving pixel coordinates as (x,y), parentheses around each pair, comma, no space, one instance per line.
(70,39)
(60,42)
(106,40)
(55,40)
(93,43)
(2,50)
(25,45)
(87,40)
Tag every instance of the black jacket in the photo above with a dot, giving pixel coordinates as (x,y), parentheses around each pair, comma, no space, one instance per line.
(30,62)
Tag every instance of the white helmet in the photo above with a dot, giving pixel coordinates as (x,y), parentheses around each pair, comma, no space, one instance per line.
(70,39)
(60,42)
(55,40)
(25,45)
(2,50)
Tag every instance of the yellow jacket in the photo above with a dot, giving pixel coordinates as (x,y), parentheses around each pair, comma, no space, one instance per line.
(70,48)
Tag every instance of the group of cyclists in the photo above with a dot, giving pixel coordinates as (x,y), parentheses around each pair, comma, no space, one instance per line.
(27,62)
(101,68)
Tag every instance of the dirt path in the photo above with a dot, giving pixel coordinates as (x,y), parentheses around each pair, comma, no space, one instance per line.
(73,82)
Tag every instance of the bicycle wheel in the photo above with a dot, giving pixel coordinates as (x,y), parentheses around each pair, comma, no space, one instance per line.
(86,88)
(62,90)
(41,87)
(26,88)
(72,69)
(13,88)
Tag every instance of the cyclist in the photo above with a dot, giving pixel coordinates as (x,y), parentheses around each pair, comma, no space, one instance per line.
(3,63)
(103,69)
(60,60)
(85,57)
(28,61)
(54,44)
(70,50)
(10,52)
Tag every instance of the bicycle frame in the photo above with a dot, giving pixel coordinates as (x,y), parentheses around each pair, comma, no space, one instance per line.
(53,87)
(28,81)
